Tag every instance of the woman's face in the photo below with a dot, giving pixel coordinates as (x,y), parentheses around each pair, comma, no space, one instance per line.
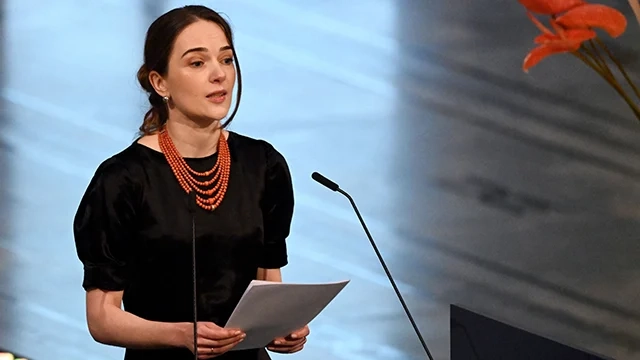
(200,73)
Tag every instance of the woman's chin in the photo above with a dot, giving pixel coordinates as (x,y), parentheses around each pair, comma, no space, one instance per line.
(218,113)
(208,115)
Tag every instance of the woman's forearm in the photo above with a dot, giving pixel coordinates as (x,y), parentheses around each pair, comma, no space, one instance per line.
(274,275)
(114,326)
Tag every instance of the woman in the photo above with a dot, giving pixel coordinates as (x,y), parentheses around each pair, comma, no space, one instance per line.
(149,232)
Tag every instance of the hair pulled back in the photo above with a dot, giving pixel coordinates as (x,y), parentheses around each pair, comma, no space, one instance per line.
(158,46)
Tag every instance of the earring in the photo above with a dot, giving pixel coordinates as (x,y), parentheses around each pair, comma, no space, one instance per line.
(165,99)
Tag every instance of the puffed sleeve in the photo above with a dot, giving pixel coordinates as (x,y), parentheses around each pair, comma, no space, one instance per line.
(103,227)
(277,209)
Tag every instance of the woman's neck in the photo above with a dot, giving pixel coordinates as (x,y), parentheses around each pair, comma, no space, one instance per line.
(194,140)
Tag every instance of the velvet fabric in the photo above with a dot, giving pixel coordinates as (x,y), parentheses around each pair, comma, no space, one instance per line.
(133,232)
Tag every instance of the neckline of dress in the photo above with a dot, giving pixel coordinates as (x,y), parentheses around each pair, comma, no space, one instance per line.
(159,153)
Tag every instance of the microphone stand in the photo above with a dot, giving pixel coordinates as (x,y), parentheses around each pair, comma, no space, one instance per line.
(333,186)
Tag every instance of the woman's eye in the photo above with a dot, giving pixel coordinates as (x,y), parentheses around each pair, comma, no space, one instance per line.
(197,63)
(228,60)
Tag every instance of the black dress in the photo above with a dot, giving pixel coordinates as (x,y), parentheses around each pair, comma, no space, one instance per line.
(133,232)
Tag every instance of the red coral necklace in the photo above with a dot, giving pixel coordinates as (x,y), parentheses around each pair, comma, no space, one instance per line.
(211,190)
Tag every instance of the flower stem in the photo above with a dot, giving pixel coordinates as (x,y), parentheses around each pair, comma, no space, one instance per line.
(620,67)
(590,59)
(595,54)
(611,80)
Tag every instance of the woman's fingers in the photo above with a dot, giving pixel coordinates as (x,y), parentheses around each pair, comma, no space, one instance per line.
(207,352)
(288,346)
(214,341)
(213,331)
(301,333)
(288,343)
(297,348)
(215,336)
(209,343)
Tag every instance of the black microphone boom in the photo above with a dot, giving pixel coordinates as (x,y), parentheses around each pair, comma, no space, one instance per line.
(334,187)
(326,182)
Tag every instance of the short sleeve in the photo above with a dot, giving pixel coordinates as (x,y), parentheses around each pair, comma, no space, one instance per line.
(277,209)
(103,227)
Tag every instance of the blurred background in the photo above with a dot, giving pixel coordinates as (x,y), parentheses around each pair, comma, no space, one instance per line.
(517,195)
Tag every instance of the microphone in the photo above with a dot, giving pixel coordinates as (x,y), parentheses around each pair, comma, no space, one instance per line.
(334,187)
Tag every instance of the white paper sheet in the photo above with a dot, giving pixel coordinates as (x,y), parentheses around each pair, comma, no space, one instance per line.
(268,310)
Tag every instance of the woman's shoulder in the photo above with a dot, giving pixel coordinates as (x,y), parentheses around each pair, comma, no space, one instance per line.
(257,147)
(268,161)
(114,185)
(123,167)
(122,160)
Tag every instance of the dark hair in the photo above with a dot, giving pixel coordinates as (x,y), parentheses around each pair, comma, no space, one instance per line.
(158,46)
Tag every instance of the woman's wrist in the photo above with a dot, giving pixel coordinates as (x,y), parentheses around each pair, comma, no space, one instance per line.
(182,334)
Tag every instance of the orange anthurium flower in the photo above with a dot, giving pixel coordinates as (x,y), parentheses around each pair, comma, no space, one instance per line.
(550,44)
(594,16)
(574,22)
(570,29)
(564,40)
(571,38)
(550,7)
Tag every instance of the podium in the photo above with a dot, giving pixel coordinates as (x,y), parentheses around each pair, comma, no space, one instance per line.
(478,337)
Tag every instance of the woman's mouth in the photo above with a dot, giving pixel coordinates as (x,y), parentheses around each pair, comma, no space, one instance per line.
(217,97)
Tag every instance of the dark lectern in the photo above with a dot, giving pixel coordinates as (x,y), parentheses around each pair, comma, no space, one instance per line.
(478,337)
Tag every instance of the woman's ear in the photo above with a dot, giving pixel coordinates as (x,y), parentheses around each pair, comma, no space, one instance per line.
(158,83)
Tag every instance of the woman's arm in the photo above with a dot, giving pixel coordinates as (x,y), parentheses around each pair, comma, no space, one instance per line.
(103,234)
(109,324)
(102,227)
(269,275)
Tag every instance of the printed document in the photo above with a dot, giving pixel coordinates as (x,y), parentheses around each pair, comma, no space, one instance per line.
(268,310)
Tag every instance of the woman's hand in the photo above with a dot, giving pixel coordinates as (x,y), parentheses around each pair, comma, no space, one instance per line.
(291,343)
(213,340)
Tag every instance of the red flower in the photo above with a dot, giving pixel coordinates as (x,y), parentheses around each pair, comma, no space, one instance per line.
(550,7)
(594,15)
(572,28)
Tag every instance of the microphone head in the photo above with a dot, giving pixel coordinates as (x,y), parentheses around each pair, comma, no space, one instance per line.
(324,181)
